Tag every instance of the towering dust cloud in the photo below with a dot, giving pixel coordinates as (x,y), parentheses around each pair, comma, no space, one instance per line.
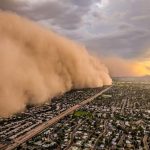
(37,64)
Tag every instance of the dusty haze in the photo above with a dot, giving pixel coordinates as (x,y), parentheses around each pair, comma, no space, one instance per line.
(37,64)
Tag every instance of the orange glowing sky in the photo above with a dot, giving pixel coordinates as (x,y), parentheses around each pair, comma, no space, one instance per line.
(123,67)
(142,68)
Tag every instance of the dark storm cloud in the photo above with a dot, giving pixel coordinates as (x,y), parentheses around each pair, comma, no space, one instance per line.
(37,10)
(68,14)
(65,13)
(47,10)
(82,3)
(109,27)
(13,5)
(125,44)
(130,37)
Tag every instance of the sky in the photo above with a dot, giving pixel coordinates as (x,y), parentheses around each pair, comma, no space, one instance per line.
(118,31)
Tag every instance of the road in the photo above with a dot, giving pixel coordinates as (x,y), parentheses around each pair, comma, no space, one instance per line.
(146,146)
(43,126)
(124,102)
(102,134)
(73,134)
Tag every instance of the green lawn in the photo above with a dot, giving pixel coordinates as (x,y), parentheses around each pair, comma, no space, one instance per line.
(81,113)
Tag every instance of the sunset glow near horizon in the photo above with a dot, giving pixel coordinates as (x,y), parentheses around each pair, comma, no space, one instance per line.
(142,68)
